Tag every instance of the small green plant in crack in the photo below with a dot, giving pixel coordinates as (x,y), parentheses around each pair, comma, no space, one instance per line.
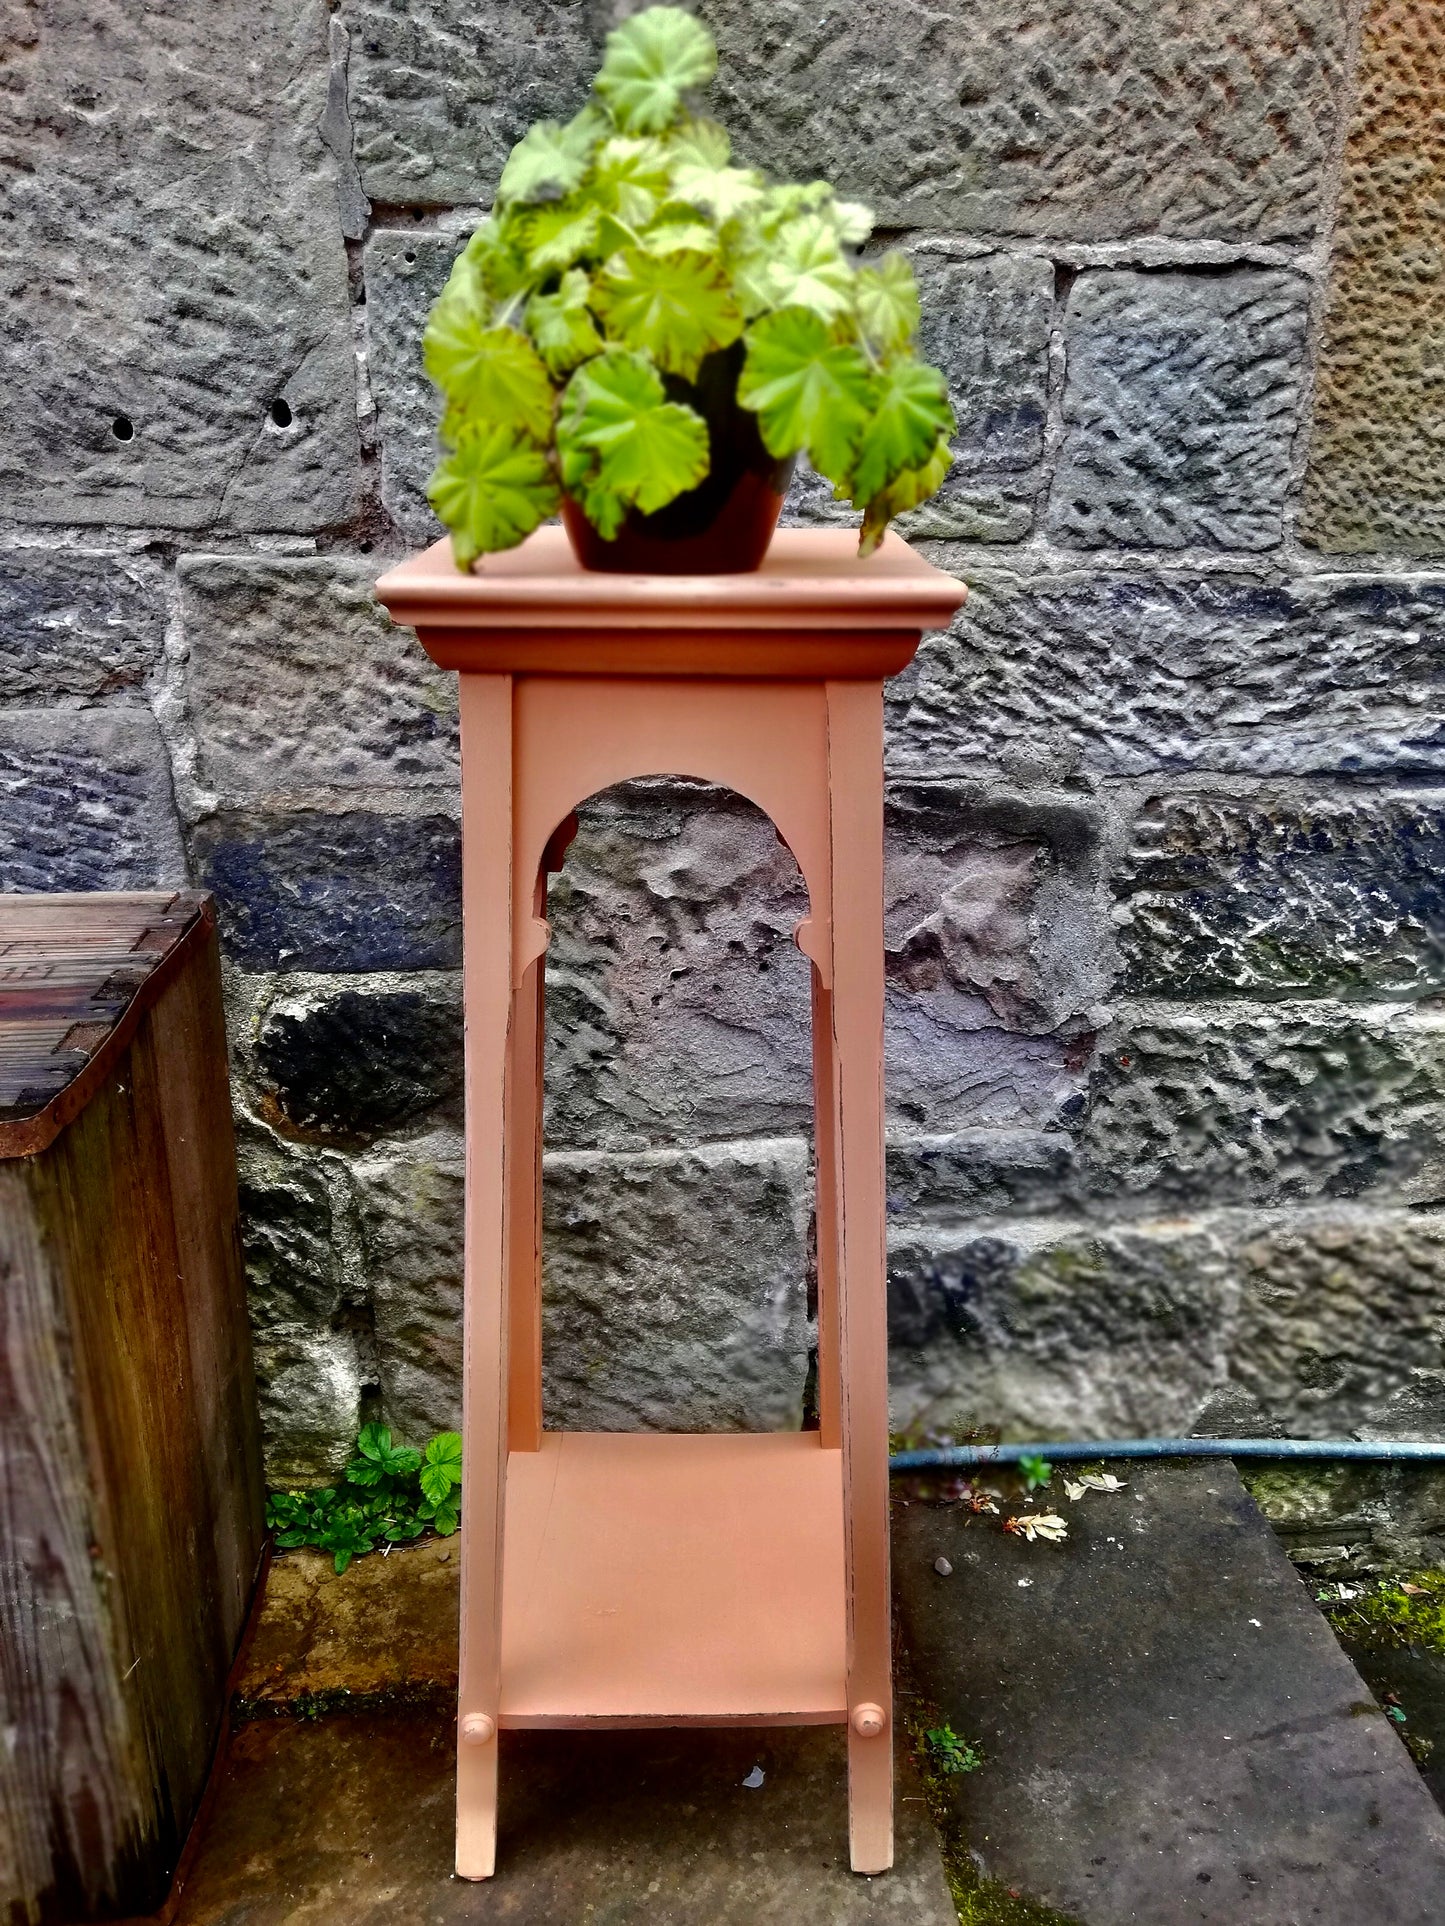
(948,1754)
(1035,1472)
(388,1495)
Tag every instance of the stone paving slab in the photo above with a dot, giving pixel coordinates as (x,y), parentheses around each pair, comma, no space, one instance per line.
(1172,1732)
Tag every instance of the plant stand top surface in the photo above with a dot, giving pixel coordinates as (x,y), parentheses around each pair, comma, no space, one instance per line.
(812,610)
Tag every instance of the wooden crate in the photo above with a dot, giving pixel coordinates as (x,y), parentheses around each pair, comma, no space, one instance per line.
(130,1475)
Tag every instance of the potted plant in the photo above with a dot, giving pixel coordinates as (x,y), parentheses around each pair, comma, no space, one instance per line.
(645,336)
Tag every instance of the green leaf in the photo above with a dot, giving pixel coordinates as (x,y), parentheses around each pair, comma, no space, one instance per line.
(807,390)
(362,1471)
(561,325)
(374,1441)
(446,1518)
(724,192)
(623,444)
(555,237)
(491,268)
(906,491)
(886,298)
(491,375)
(675,307)
(341,1561)
(493,491)
(289,1540)
(630,179)
(444,1455)
(649,61)
(910,412)
(852,221)
(549,160)
(808,270)
(699,142)
(401,1464)
(667,237)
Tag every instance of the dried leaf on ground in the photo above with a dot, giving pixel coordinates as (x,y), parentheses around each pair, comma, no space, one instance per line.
(1047,1524)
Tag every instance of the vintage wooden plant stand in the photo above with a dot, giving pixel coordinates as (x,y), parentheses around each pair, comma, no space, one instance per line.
(624,1579)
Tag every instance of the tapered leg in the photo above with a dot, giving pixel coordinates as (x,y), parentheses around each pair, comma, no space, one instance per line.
(825,1163)
(524,1239)
(855,784)
(486,719)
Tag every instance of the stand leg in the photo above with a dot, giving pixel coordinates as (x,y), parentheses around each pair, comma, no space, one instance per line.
(825,1164)
(855,785)
(524,1226)
(486,719)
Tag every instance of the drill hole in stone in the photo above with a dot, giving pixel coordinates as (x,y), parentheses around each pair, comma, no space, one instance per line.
(281,416)
(123,428)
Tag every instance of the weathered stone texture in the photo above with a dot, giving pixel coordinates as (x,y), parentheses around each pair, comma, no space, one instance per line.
(674,1288)
(986,324)
(947,1178)
(1179,409)
(85,802)
(1336,896)
(405,272)
(347,1064)
(1335,1315)
(1052,1332)
(1010,120)
(77,625)
(1083,674)
(1244,1104)
(674,1285)
(1376,477)
(306,890)
(171,266)
(1343,1519)
(296,682)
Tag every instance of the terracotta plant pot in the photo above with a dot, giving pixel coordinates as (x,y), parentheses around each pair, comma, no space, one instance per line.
(721,527)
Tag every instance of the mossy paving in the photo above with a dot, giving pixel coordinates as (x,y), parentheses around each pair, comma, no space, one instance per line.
(1386,1613)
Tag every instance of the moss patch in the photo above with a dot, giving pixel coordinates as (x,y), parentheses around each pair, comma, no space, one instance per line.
(1384,1612)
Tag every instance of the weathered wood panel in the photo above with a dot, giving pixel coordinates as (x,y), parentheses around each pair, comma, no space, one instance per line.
(130,1485)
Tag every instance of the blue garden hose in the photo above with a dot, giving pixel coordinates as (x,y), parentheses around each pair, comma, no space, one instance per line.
(963,1457)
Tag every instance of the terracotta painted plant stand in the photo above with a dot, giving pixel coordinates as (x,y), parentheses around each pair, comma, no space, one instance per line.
(625,1579)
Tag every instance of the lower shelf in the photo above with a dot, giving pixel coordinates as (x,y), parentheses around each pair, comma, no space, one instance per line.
(673,1579)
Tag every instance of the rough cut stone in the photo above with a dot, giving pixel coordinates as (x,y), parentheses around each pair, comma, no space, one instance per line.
(296,682)
(405,272)
(1015,120)
(1179,409)
(172,271)
(1376,476)
(950,1177)
(1335,1313)
(674,1284)
(356,891)
(77,625)
(1242,1104)
(1128,674)
(85,802)
(347,1064)
(1274,896)
(986,324)
(1056,1331)
(1338,1520)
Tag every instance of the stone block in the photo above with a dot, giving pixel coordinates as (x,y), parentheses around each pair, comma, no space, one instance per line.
(674,1284)
(1083,675)
(1341,1520)
(952,1177)
(177,343)
(347,1064)
(986,323)
(358,890)
(1376,476)
(405,272)
(1268,1104)
(297,683)
(77,625)
(1340,895)
(675,1288)
(313,1346)
(1179,406)
(1337,1315)
(1057,1330)
(1014,120)
(85,802)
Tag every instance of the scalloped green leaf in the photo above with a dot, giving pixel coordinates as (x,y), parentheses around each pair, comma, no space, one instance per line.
(666,237)
(886,301)
(487,374)
(676,307)
(905,491)
(561,325)
(807,390)
(699,142)
(557,236)
(910,414)
(723,192)
(630,178)
(547,163)
(807,268)
(492,491)
(852,221)
(623,444)
(495,258)
(650,60)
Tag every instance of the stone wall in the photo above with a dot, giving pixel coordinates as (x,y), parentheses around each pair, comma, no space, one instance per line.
(1166,864)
